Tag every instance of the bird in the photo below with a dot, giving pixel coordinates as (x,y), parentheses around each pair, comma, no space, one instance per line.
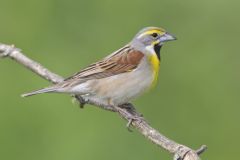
(121,76)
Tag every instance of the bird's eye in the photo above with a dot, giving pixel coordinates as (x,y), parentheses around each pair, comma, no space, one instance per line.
(154,35)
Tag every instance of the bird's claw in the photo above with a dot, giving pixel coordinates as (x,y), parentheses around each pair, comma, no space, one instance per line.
(132,114)
(133,118)
(82,102)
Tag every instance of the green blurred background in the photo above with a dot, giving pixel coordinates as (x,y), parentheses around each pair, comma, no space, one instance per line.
(196,102)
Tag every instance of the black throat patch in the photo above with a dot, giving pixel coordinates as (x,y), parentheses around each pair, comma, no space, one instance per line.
(157,49)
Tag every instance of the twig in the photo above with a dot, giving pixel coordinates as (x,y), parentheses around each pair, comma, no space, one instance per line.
(179,151)
(17,55)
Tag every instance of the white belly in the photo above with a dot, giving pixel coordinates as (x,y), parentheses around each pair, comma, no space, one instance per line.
(121,88)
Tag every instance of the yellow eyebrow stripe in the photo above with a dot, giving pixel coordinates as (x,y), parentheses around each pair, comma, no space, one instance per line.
(151,32)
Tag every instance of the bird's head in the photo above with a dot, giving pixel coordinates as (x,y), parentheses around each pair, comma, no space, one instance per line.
(152,38)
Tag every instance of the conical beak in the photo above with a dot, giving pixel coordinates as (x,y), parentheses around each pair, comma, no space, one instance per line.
(167,37)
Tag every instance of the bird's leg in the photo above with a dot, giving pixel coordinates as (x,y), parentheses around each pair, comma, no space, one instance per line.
(82,102)
(131,113)
(130,108)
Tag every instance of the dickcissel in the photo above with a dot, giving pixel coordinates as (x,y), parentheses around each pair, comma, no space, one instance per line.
(120,77)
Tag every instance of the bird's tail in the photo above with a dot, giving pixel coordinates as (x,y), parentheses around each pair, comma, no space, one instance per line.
(44,90)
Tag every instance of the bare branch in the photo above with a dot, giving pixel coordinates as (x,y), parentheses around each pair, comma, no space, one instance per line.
(17,55)
(179,151)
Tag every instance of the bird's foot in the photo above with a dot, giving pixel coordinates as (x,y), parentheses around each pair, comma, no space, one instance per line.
(131,114)
(133,118)
(82,102)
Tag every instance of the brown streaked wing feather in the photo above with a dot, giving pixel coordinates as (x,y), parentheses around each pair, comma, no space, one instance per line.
(125,60)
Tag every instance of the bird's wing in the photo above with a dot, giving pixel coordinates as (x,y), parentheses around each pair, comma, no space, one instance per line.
(124,60)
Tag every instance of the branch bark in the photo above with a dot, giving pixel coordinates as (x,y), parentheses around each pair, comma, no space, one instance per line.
(180,152)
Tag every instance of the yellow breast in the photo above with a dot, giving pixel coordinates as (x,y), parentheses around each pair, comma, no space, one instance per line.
(155,63)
